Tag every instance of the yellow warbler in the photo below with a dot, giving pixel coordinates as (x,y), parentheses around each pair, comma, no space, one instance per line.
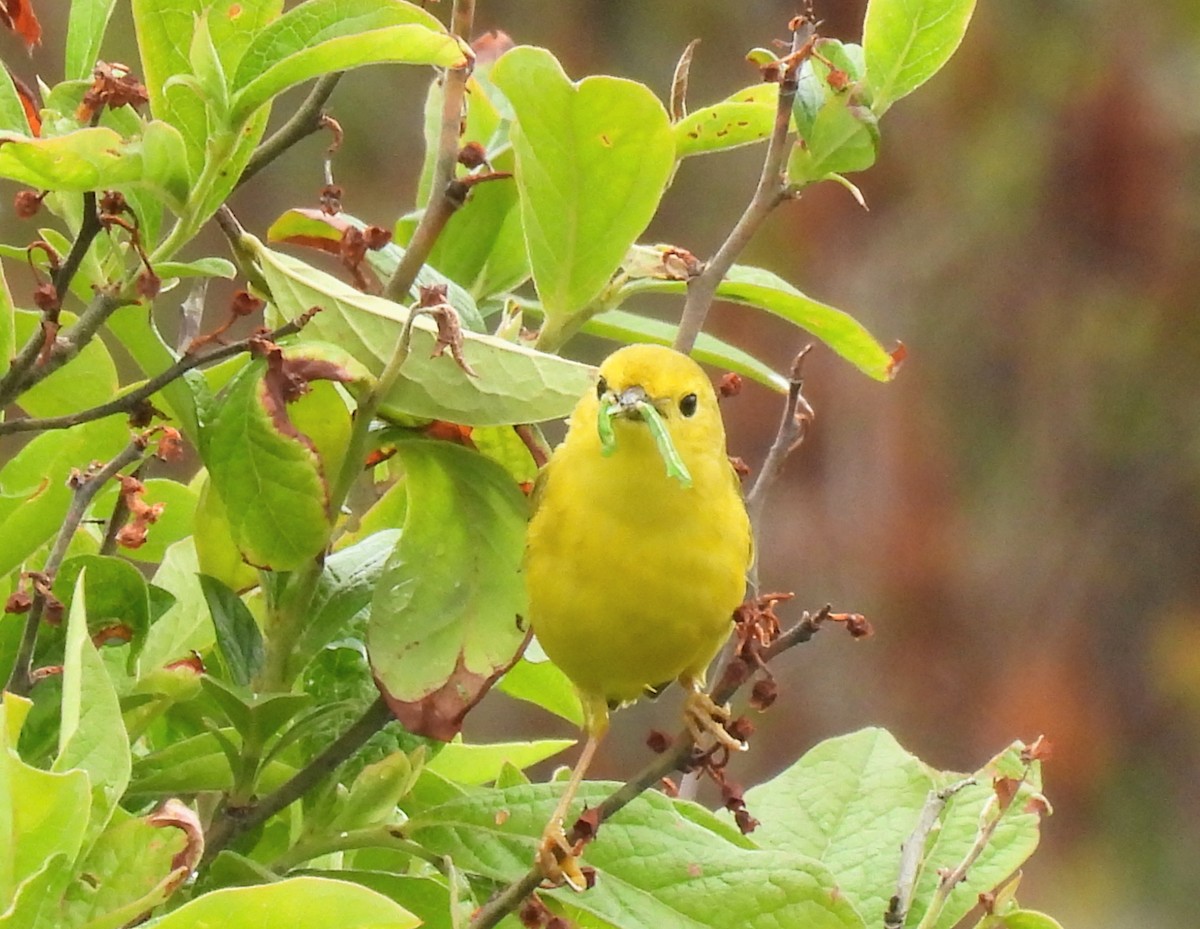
(637,551)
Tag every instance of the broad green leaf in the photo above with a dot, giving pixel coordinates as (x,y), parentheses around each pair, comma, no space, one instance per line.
(92,735)
(12,114)
(844,137)
(906,42)
(742,118)
(42,814)
(201,267)
(164,35)
(321,414)
(426,897)
(130,871)
(849,802)
(543,684)
(813,86)
(36,900)
(623,326)
(1025,919)
(89,380)
(257,717)
(269,477)
(655,867)
(238,635)
(320,36)
(34,496)
(217,554)
(756,287)
(186,625)
(514,384)
(195,764)
(85,33)
(373,796)
(118,599)
(8,339)
(445,618)
(97,157)
(481,763)
(593,159)
(295,903)
(343,598)
(506,448)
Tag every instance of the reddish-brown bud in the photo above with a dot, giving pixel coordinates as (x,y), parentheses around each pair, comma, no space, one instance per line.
(27,203)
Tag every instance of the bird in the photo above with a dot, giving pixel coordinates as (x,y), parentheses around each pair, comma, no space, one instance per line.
(636,553)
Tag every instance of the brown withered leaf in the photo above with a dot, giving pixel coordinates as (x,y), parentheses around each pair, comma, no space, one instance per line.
(30,103)
(18,16)
(287,380)
(113,86)
(142,515)
(440,714)
(174,814)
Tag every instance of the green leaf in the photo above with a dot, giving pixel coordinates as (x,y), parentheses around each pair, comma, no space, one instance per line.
(1026,919)
(320,36)
(849,802)
(196,764)
(92,735)
(86,159)
(268,476)
(117,597)
(186,625)
(482,763)
(43,814)
(8,339)
(445,618)
(427,897)
(343,598)
(85,33)
(201,267)
(543,684)
(296,903)
(623,326)
(593,159)
(89,380)
(164,34)
(376,790)
(756,287)
(655,867)
(742,118)
(906,42)
(164,164)
(12,113)
(130,871)
(515,384)
(217,554)
(844,137)
(238,635)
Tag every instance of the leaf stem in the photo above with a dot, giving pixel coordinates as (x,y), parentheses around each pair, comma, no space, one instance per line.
(300,125)
(772,190)
(446,193)
(232,823)
(378,836)
(20,679)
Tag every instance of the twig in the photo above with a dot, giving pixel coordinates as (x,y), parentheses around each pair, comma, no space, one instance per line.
(231,823)
(913,850)
(446,194)
(18,377)
(677,757)
(303,123)
(128,402)
(21,679)
(771,191)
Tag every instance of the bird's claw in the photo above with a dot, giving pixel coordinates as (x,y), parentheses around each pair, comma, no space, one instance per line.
(704,718)
(558,860)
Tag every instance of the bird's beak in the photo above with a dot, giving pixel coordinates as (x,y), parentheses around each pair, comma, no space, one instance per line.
(628,399)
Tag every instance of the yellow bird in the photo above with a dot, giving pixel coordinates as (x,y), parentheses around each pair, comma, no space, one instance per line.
(637,551)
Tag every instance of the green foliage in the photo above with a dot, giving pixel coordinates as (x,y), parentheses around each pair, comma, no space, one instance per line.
(347,548)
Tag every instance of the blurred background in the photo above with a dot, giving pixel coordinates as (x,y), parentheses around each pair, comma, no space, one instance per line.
(1018,513)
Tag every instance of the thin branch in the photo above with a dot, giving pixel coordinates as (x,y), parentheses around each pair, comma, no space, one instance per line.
(231,823)
(303,123)
(21,678)
(912,853)
(126,403)
(446,193)
(18,377)
(379,836)
(677,757)
(772,190)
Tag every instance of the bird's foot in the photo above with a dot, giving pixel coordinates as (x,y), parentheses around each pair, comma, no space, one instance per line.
(704,718)
(558,859)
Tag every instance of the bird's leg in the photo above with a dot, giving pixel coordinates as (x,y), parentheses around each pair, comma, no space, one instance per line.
(704,718)
(559,859)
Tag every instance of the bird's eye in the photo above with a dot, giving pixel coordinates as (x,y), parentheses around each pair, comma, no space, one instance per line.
(601,388)
(687,404)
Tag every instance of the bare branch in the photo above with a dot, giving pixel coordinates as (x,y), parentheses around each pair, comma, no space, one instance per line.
(303,123)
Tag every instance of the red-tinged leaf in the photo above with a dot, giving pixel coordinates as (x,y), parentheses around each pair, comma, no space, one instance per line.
(18,16)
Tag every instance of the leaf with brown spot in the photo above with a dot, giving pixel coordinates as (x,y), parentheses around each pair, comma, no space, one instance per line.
(441,629)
